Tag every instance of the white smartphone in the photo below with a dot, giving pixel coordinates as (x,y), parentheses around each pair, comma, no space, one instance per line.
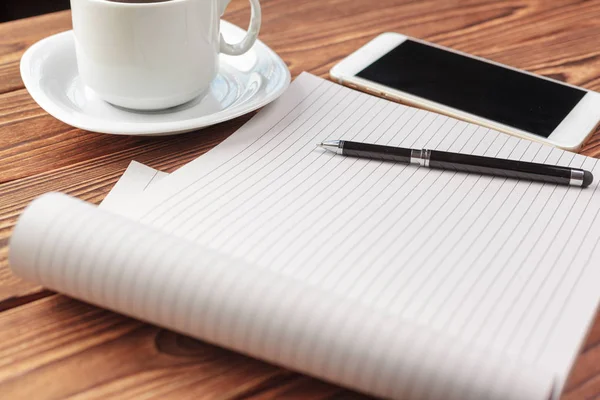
(473,89)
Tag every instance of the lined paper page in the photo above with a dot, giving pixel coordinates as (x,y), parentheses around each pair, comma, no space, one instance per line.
(91,254)
(136,178)
(504,263)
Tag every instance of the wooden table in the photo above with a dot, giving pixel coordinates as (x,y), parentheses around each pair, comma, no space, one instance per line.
(55,347)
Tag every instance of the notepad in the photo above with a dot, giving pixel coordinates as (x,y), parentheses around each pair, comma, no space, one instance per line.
(395,280)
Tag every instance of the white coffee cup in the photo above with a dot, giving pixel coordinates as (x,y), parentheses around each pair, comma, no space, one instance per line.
(152,54)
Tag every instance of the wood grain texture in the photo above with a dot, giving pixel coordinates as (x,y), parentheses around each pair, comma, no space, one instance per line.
(55,347)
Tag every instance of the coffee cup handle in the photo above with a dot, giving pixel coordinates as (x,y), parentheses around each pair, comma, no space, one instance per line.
(251,36)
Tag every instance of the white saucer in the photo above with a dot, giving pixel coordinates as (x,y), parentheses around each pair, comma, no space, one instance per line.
(245,83)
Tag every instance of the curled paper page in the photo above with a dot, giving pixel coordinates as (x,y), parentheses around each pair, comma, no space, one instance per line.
(102,258)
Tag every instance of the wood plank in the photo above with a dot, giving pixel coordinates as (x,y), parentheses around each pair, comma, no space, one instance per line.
(17,106)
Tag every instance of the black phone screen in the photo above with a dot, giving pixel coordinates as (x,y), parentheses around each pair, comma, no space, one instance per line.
(486,90)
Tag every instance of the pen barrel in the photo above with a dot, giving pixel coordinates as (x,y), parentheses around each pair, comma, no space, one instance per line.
(501,167)
(377,152)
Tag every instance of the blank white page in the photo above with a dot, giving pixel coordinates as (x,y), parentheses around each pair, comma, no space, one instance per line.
(505,263)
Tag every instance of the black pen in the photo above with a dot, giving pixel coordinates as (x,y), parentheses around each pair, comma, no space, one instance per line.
(464,162)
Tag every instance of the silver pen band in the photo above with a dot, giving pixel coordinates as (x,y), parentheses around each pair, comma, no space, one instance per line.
(420,157)
(577,176)
(340,147)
